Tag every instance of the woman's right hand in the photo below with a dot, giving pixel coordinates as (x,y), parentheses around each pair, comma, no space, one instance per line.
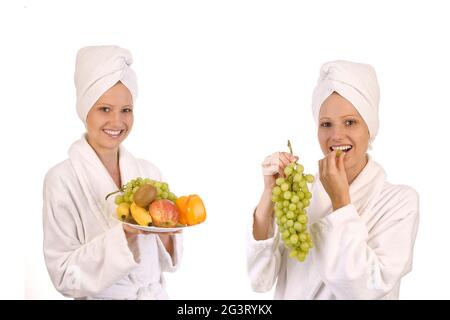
(273,167)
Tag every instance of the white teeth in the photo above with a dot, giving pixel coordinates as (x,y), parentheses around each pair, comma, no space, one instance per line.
(342,148)
(113,132)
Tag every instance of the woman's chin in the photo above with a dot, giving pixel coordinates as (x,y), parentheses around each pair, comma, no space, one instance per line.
(111,143)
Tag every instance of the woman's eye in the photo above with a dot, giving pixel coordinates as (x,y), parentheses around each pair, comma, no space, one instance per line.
(104,109)
(349,122)
(325,124)
(127,110)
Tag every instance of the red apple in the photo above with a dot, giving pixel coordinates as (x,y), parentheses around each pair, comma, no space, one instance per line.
(164,213)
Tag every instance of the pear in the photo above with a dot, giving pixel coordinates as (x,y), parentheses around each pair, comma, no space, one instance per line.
(144,195)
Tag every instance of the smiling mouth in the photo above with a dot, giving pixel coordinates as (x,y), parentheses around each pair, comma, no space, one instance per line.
(343,148)
(113,133)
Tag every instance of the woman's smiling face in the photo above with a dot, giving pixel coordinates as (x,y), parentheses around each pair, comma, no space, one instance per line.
(342,127)
(111,118)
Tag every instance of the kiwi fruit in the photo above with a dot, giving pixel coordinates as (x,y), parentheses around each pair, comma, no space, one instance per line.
(144,195)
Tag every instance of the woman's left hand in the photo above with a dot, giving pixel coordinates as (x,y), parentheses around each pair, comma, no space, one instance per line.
(334,179)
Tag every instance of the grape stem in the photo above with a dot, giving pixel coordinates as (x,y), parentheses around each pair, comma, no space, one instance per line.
(120,190)
(290,147)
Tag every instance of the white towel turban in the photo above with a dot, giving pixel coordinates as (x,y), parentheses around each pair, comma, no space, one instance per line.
(97,69)
(357,83)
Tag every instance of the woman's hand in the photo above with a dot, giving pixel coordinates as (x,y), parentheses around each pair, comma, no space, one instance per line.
(334,179)
(131,233)
(273,167)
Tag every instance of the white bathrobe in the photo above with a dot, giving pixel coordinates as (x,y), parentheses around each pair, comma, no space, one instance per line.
(86,251)
(361,250)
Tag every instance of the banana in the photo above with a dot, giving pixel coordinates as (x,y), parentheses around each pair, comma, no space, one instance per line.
(123,211)
(141,215)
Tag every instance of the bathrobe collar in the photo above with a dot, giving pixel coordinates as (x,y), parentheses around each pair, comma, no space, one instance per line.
(95,180)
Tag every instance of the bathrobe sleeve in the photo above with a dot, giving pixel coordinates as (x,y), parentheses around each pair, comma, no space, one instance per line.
(263,258)
(167,262)
(357,263)
(79,269)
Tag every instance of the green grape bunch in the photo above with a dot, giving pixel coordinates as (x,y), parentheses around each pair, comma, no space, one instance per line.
(127,190)
(291,198)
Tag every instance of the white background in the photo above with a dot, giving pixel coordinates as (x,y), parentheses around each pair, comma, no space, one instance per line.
(223,84)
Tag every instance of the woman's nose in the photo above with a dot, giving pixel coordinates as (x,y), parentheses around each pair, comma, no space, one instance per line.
(115,118)
(337,132)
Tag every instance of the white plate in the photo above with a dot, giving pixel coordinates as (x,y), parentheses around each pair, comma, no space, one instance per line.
(151,228)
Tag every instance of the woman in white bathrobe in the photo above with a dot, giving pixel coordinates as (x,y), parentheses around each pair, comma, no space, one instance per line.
(363,227)
(88,254)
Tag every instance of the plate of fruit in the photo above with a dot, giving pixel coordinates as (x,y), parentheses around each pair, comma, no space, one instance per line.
(149,205)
